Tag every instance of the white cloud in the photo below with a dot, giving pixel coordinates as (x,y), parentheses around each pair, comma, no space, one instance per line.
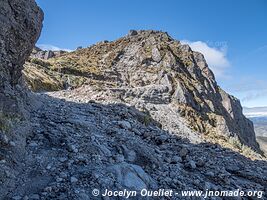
(215,57)
(47,47)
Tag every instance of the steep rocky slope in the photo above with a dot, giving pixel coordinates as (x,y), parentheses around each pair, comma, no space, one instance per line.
(78,146)
(156,74)
(20,26)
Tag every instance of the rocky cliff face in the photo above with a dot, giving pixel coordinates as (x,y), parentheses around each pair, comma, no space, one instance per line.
(153,72)
(20,26)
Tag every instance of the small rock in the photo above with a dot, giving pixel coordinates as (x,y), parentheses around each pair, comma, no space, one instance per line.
(34,197)
(232,169)
(125,125)
(211,174)
(73,148)
(63,159)
(63,175)
(16,198)
(91,101)
(82,159)
(168,160)
(49,166)
(131,156)
(176,159)
(33,144)
(183,152)
(200,163)
(207,186)
(132,32)
(196,182)
(119,158)
(191,164)
(83,196)
(59,179)
(156,54)
(161,139)
(13,144)
(146,134)
(73,179)
(26,198)
(2,161)
(137,132)
(3,138)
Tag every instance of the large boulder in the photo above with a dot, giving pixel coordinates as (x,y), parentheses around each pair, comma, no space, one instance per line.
(157,74)
(20,27)
(132,176)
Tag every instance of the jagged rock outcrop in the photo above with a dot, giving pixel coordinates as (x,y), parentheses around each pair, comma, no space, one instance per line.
(153,72)
(45,54)
(20,26)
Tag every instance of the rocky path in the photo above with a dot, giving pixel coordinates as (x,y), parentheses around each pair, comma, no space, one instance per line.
(76,147)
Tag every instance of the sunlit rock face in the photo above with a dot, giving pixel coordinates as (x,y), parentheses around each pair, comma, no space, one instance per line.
(149,68)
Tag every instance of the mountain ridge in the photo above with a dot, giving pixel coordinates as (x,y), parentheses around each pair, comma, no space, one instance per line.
(179,75)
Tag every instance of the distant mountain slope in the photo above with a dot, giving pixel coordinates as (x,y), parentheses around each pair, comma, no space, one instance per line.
(255,112)
(258,116)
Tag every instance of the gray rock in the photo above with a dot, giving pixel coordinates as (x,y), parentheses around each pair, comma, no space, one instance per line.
(73,148)
(83,196)
(34,197)
(48,54)
(132,176)
(125,125)
(156,54)
(183,152)
(33,144)
(73,179)
(16,197)
(191,164)
(3,139)
(13,144)
(119,158)
(132,33)
(200,163)
(211,174)
(176,159)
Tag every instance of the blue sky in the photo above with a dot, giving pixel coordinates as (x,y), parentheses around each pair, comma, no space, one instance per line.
(231,34)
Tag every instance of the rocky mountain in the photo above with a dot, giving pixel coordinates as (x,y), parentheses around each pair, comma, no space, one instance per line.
(141,112)
(259,117)
(154,73)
